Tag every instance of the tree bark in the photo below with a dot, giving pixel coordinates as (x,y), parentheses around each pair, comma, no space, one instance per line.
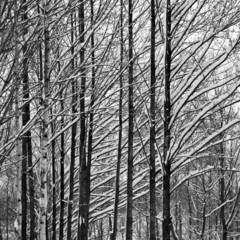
(44,128)
(222,192)
(62,159)
(129,221)
(26,136)
(152,130)
(119,151)
(18,221)
(84,166)
(1,234)
(53,183)
(190,212)
(73,138)
(166,223)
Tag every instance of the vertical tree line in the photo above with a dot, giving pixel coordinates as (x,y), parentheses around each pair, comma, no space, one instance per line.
(166,164)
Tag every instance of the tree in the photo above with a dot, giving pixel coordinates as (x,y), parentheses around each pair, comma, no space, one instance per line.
(166,164)
(152,174)
(129,221)
(84,165)
(44,127)
(119,150)
(73,134)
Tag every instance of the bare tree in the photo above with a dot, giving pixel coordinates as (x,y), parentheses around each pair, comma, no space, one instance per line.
(152,174)
(129,222)
(44,126)
(166,164)
(119,150)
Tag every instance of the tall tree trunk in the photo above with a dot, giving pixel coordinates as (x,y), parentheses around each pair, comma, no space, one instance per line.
(54,209)
(73,137)
(25,119)
(166,223)
(222,191)
(44,127)
(202,234)
(180,220)
(18,221)
(190,212)
(115,214)
(31,188)
(1,233)
(62,159)
(86,182)
(129,221)
(152,129)
(62,205)
(203,227)
(7,211)
(27,145)
(84,166)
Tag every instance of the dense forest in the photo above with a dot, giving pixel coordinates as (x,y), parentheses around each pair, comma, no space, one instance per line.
(119,119)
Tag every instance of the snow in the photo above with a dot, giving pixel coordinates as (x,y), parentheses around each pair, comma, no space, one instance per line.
(200,147)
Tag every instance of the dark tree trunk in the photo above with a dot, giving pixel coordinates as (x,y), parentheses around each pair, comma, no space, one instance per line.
(129,221)
(1,234)
(31,188)
(84,166)
(166,223)
(26,136)
(222,192)
(152,129)
(62,157)
(190,213)
(7,214)
(62,205)
(115,214)
(53,184)
(202,234)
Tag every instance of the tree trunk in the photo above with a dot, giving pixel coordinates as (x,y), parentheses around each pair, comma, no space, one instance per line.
(53,183)
(7,211)
(1,234)
(18,221)
(129,221)
(180,220)
(166,223)
(62,158)
(190,213)
(202,235)
(119,151)
(31,188)
(222,191)
(44,128)
(152,129)
(84,166)
(26,136)
(73,139)
(203,227)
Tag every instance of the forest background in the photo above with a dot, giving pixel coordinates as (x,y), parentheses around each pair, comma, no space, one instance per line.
(119,119)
